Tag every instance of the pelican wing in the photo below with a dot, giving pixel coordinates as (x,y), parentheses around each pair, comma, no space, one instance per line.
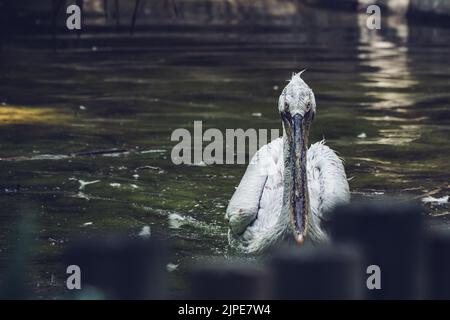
(246,201)
(244,204)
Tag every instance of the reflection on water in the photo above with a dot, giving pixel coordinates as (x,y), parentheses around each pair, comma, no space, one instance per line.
(15,115)
(383,103)
(388,80)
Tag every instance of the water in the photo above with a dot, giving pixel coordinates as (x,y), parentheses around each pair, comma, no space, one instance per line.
(108,91)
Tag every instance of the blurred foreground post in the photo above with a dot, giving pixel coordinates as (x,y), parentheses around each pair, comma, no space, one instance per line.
(222,280)
(121,268)
(391,237)
(13,281)
(317,272)
(438,263)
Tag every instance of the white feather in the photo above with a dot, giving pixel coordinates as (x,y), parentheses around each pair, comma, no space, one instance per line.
(256,215)
(254,212)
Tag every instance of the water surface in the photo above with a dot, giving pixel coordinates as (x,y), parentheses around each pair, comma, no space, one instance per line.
(383,102)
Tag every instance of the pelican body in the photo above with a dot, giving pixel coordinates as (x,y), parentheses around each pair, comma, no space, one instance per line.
(287,188)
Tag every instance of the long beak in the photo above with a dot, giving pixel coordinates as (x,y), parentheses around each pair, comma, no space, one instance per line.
(299,206)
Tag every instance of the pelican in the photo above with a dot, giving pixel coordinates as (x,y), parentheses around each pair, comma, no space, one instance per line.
(287,188)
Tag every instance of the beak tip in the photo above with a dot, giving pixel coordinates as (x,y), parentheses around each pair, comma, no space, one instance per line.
(300,239)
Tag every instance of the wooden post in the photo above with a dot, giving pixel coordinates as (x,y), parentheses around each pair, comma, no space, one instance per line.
(391,237)
(222,280)
(121,268)
(317,272)
(438,263)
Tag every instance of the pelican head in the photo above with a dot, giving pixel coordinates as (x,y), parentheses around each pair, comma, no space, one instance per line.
(297,107)
(297,97)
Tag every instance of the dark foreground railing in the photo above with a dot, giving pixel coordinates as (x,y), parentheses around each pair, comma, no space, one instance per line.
(377,251)
(382,250)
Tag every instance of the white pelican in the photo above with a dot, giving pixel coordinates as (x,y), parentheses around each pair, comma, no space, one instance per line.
(287,187)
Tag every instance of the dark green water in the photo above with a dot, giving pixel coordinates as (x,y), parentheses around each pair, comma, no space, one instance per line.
(393,86)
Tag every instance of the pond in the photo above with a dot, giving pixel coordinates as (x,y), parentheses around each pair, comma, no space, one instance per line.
(383,102)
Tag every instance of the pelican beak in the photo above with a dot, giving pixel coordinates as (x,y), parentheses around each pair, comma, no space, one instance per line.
(299,198)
